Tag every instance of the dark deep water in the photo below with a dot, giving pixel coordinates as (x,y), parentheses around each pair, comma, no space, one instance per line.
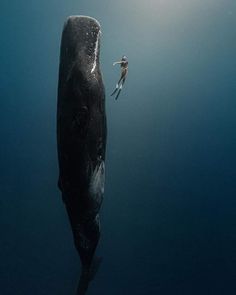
(168,217)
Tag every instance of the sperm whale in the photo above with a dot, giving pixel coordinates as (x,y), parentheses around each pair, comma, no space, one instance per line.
(81,137)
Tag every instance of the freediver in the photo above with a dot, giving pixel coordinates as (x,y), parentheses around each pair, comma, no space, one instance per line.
(124,71)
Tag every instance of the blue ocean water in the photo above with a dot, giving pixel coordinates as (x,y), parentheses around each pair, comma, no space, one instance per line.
(168,217)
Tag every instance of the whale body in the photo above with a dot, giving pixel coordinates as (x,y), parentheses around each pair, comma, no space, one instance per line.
(81,135)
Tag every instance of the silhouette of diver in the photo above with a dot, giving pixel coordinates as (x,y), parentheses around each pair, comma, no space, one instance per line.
(124,71)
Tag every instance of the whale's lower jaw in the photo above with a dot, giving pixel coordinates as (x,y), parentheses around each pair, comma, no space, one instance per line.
(81,132)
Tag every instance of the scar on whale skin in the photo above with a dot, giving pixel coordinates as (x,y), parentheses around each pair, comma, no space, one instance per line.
(96,53)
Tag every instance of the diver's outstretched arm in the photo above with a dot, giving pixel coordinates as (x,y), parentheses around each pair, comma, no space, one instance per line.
(117,62)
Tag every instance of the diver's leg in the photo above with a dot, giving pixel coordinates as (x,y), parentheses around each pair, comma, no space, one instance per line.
(117,86)
(120,88)
(123,82)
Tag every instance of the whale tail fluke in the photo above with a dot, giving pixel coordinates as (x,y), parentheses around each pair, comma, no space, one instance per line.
(87,275)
